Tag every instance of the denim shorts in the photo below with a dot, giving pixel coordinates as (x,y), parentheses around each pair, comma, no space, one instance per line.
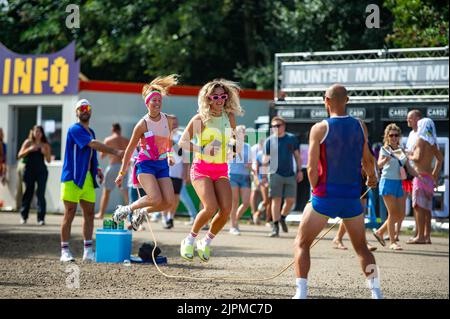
(240,180)
(391,187)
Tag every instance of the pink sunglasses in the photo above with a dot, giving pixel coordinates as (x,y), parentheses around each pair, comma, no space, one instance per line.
(218,97)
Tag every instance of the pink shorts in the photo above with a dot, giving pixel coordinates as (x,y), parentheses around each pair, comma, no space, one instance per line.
(202,169)
(423,191)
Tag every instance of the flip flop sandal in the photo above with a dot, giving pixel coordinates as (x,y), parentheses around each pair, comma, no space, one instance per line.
(380,239)
(395,247)
(340,246)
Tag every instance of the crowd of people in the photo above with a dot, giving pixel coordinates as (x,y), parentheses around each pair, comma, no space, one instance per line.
(153,167)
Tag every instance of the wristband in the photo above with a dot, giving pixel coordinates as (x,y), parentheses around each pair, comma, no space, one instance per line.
(122,173)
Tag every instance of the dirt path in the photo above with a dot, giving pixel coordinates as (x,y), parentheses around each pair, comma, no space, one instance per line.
(30,267)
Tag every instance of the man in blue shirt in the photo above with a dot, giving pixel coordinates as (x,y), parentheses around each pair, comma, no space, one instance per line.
(281,146)
(78,179)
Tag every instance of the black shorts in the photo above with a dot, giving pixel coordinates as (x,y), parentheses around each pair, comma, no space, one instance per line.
(177,183)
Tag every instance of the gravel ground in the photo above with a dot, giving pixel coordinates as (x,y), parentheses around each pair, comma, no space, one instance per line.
(30,267)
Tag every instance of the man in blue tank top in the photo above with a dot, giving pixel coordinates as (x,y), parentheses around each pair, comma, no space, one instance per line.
(337,148)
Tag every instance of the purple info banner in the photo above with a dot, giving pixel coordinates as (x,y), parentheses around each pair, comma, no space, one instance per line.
(41,74)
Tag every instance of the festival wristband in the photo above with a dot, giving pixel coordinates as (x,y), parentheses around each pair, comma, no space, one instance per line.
(122,173)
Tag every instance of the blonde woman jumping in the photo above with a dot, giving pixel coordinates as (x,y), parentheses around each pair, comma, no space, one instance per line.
(212,127)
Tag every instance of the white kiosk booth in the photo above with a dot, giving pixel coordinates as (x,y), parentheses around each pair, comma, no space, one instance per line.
(37,90)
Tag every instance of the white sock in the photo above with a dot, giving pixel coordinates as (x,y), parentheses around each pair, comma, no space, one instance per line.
(166,217)
(64,246)
(374,286)
(302,288)
(208,238)
(191,238)
(87,245)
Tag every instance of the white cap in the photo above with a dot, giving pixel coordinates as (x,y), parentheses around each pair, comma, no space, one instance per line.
(81,102)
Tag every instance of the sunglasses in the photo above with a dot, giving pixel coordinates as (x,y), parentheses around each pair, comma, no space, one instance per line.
(85,108)
(393,135)
(276,125)
(218,97)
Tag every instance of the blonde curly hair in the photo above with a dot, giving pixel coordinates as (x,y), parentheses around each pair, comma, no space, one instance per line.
(161,84)
(391,127)
(232,104)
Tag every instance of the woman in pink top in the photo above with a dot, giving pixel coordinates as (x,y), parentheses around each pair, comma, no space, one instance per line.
(151,170)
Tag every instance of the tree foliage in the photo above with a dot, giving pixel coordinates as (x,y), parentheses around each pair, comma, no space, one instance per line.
(418,23)
(136,40)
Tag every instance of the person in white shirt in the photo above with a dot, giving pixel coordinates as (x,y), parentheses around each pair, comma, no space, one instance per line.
(412,118)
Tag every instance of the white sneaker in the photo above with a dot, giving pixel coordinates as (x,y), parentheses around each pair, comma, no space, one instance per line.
(376,294)
(88,255)
(138,218)
(66,256)
(155,217)
(41,223)
(23,221)
(120,213)
(300,295)
(190,222)
(234,231)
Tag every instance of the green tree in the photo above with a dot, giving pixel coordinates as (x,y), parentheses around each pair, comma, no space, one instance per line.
(418,23)
(136,40)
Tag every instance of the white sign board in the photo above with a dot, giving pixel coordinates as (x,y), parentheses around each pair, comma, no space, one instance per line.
(375,74)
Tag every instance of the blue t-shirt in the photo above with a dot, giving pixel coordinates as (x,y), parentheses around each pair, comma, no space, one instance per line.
(237,165)
(285,148)
(76,158)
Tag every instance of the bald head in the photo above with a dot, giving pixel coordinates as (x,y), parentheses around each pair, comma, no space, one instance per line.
(412,118)
(337,92)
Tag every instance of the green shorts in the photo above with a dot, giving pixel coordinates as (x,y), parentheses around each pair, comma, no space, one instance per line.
(72,193)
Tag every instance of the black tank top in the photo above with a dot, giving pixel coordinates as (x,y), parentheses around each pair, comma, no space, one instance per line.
(35,162)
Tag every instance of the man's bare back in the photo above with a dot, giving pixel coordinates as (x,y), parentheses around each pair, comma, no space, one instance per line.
(117,142)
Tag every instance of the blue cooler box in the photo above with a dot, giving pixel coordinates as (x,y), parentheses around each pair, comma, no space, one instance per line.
(112,245)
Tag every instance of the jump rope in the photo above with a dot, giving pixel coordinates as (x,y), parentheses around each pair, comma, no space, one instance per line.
(224,278)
